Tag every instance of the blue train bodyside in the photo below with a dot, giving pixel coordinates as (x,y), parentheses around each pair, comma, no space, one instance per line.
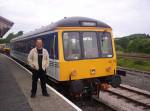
(20,48)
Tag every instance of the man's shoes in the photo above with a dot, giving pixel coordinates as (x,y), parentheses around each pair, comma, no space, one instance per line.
(46,94)
(32,95)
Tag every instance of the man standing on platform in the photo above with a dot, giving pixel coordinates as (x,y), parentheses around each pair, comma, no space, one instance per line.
(38,59)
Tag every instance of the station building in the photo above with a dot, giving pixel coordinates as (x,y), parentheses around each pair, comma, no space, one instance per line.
(5,25)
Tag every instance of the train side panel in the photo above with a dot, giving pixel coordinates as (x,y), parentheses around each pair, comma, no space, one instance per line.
(20,51)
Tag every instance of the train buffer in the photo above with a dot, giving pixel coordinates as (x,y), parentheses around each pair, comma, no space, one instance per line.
(15,86)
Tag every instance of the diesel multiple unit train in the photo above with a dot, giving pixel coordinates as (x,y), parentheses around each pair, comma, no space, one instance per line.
(81,53)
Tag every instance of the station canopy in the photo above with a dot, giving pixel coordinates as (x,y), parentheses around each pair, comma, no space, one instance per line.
(5,25)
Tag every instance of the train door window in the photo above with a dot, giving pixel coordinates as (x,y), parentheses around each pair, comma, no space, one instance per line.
(72,48)
(90,45)
(105,44)
(52,39)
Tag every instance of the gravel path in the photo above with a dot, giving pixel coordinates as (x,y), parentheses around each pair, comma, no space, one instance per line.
(138,80)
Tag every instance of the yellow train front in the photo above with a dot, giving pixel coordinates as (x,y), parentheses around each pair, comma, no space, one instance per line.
(87,57)
(82,53)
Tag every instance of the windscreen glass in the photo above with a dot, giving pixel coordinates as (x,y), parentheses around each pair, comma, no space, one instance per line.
(105,44)
(72,49)
(90,45)
(87,45)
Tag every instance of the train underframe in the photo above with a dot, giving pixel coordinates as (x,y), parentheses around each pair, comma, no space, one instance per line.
(89,87)
(92,86)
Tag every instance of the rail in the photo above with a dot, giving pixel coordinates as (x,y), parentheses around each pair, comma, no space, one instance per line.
(126,98)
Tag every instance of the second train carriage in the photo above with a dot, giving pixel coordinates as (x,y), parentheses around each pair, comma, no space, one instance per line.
(81,51)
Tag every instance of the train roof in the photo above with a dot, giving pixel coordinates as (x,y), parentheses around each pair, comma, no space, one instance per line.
(66,22)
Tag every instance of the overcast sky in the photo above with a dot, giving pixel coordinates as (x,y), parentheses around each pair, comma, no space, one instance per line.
(124,16)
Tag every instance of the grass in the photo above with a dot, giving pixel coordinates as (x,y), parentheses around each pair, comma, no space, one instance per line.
(134,64)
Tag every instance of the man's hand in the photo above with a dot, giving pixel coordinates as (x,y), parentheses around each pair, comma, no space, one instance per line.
(33,66)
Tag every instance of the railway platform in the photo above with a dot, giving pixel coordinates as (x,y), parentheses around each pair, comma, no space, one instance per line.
(15,87)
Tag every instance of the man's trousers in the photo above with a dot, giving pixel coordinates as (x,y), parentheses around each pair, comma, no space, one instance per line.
(42,75)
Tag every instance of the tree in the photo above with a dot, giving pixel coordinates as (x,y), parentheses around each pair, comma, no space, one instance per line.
(10,36)
(137,43)
(19,33)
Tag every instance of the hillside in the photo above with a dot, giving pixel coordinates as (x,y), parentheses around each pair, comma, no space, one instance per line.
(135,43)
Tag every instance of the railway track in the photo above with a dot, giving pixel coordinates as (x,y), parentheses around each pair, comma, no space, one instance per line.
(144,57)
(125,98)
(131,71)
(92,105)
(85,103)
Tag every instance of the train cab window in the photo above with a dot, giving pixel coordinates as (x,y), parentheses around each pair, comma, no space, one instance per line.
(72,49)
(90,45)
(106,44)
(93,45)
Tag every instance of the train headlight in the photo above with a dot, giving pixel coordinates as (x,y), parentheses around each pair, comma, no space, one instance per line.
(108,69)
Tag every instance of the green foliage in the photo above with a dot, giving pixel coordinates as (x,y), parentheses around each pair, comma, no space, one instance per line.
(139,62)
(136,43)
(10,36)
(134,64)
(119,48)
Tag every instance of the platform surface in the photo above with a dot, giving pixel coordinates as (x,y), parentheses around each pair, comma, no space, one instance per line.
(15,84)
